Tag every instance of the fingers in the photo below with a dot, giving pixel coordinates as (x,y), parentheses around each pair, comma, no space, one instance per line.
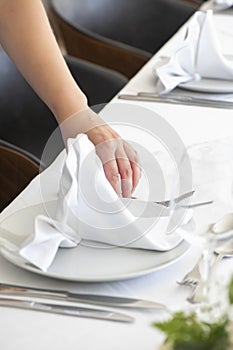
(106,152)
(135,164)
(112,175)
(121,165)
(119,159)
(125,172)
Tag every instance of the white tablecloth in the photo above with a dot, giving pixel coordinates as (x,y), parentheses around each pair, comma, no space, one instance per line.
(29,330)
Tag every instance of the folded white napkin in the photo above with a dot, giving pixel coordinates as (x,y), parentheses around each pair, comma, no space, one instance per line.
(89,209)
(198,55)
(228,3)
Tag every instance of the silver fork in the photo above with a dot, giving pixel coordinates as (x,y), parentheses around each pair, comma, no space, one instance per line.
(193,277)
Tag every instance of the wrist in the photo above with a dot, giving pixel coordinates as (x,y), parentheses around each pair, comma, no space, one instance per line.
(69,105)
(80,122)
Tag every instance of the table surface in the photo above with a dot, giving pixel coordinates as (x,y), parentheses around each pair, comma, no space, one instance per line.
(33,330)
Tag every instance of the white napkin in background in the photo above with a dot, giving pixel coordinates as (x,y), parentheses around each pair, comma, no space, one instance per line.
(228,3)
(88,208)
(198,55)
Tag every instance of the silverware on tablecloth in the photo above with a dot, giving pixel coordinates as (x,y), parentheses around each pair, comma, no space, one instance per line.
(223,251)
(183,100)
(194,279)
(186,96)
(225,224)
(105,300)
(198,294)
(66,310)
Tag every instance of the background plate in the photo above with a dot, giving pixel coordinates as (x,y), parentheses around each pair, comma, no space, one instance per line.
(89,261)
(216,86)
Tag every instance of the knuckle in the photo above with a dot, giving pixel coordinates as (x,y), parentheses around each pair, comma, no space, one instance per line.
(112,178)
(111,171)
(126,172)
(106,145)
(134,158)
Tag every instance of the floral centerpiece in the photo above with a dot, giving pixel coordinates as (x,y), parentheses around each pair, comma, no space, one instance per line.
(210,328)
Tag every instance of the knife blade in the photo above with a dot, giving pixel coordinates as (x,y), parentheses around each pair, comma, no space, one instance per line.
(105,300)
(186,97)
(183,101)
(143,208)
(177,199)
(77,311)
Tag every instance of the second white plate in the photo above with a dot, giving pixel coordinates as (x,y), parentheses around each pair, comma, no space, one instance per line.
(216,86)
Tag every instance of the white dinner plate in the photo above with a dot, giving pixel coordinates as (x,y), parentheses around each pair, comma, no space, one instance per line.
(216,86)
(89,261)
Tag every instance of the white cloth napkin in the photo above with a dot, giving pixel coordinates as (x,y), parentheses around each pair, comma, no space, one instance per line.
(228,3)
(198,55)
(89,209)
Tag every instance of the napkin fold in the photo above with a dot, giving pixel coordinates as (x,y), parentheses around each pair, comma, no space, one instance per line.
(228,3)
(89,209)
(197,56)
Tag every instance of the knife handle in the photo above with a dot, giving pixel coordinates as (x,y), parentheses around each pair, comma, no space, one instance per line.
(104,300)
(66,310)
(31,291)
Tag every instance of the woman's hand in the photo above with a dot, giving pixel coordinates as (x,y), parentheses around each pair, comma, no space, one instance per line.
(120,161)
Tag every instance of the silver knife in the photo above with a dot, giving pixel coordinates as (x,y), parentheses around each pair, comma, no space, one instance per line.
(106,300)
(177,199)
(181,100)
(180,97)
(143,208)
(146,209)
(77,311)
(152,209)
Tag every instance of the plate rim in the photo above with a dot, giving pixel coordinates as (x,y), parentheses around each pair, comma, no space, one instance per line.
(14,258)
(29,267)
(186,86)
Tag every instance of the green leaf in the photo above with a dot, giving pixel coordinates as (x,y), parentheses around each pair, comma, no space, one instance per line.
(230,293)
(186,332)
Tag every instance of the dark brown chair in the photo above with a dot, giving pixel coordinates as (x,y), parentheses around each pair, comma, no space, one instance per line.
(18,168)
(118,34)
(196,2)
(25,121)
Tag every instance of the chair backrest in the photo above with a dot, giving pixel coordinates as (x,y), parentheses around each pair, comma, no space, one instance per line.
(26,121)
(118,34)
(18,168)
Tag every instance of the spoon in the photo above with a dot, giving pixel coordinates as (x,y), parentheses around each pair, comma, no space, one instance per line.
(222,228)
(223,225)
(223,251)
(199,293)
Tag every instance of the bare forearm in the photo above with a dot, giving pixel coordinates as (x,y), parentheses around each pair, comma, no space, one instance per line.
(26,35)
